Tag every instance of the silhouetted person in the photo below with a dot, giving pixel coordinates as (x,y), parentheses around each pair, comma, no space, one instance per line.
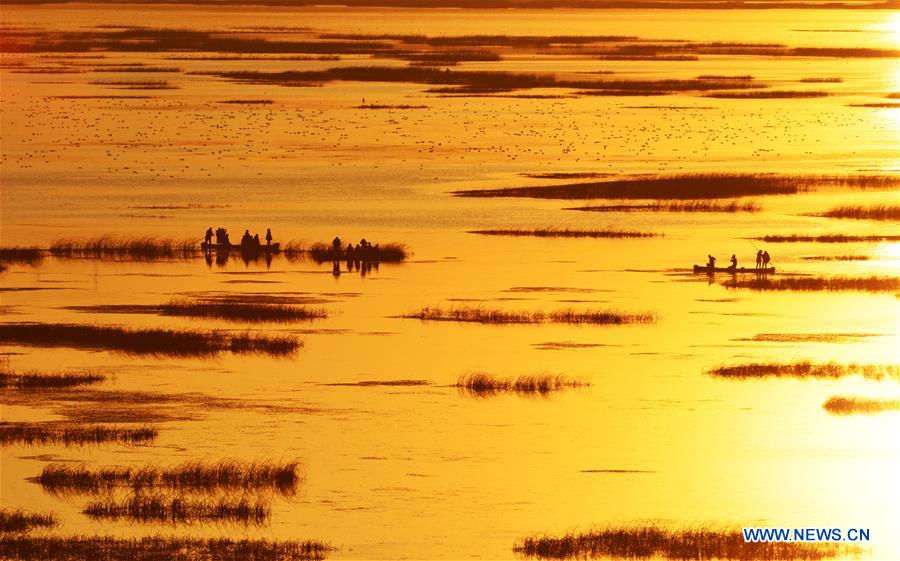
(733,262)
(712,262)
(349,252)
(256,243)
(759,259)
(209,235)
(225,239)
(268,236)
(765,259)
(336,245)
(246,238)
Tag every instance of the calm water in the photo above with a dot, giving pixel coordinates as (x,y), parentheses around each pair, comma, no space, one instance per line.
(425,472)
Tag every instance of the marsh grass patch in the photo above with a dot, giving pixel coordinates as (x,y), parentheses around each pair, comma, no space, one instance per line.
(806,369)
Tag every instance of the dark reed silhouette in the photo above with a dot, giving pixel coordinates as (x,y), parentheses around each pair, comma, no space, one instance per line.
(880,212)
(109,247)
(836,257)
(842,405)
(17,521)
(769,94)
(481,384)
(806,369)
(676,206)
(638,542)
(158,548)
(817,284)
(48,380)
(496,316)
(827,238)
(250,309)
(163,342)
(30,256)
(73,435)
(282,477)
(567,233)
(180,509)
(808,337)
(690,186)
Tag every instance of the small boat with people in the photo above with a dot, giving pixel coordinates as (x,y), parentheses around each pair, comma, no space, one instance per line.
(760,271)
(249,244)
(762,266)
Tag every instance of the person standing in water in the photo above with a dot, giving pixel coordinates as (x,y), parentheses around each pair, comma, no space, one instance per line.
(712,262)
(765,259)
(733,262)
(268,236)
(209,235)
(759,259)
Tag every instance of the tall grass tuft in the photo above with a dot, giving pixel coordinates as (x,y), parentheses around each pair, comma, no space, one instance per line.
(677,206)
(73,435)
(566,233)
(840,405)
(283,478)
(880,212)
(164,342)
(806,369)
(141,248)
(17,255)
(16,521)
(692,186)
(632,542)
(480,384)
(158,548)
(47,380)
(241,310)
(819,284)
(495,316)
(178,509)
(827,238)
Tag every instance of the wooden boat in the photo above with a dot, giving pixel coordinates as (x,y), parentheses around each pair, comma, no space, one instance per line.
(754,270)
(274,248)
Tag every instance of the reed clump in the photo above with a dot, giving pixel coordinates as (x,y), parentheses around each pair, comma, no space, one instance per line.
(140,248)
(652,541)
(841,405)
(836,257)
(235,309)
(677,206)
(20,255)
(769,94)
(17,521)
(164,342)
(880,212)
(74,435)
(566,233)
(691,186)
(180,509)
(478,314)
(48,380)
(806,369)
(819,284)
(283,478)
(158,548)
(481,384)
(827,238)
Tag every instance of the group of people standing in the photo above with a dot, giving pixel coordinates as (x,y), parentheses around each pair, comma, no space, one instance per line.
(762,260)
(364,251)
(247,241)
